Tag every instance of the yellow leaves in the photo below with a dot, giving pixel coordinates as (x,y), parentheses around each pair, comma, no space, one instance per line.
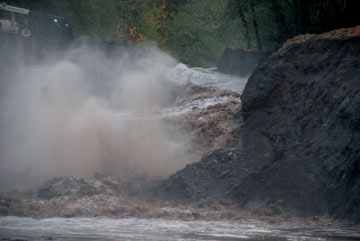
(152,21)
(131,35)
(132,31)
(141,38)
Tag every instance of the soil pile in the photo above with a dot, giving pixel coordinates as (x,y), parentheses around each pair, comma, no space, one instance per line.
(299,147)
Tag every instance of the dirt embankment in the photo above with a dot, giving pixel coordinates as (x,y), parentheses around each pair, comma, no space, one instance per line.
(299,147)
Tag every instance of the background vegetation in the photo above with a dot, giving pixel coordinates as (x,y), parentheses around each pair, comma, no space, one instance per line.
(197,31)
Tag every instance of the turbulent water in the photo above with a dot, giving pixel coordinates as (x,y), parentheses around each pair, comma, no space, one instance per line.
(181,74)
(207,77)
(12,228)
(110,112)
(76,229)
(203,77)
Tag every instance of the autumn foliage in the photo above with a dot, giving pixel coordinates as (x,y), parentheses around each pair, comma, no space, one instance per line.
(152,19)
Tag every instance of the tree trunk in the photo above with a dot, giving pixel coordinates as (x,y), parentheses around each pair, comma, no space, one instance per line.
(305,16)
(297,23)
(281,21)
(246,28)
(256,29)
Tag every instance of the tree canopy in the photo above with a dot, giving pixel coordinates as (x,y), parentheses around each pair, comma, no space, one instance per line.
(197,31)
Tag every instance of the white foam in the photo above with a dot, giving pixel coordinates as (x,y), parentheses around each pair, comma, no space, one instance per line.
(209,77)
(157,229)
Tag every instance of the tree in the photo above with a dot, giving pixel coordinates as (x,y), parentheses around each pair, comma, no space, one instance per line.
(240,8)
(256,28)
(193,35)
(197,31)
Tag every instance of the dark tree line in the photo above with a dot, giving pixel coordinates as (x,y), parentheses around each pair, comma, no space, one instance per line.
(197,31)
(290,18)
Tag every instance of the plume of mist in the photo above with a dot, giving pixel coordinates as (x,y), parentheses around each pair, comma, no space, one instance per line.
(81,112)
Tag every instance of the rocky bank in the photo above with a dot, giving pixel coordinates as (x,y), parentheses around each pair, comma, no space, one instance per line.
(298,150)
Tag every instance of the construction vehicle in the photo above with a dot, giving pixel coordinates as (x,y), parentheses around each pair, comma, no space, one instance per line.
(28,23)
(9,23)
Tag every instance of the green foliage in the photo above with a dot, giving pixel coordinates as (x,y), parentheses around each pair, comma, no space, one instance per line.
(194,32)
(197,31)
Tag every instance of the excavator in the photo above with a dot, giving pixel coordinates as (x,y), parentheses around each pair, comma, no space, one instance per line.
(24,22)
(9,24)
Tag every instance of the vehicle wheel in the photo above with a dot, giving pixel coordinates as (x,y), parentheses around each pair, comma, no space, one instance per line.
(25,32)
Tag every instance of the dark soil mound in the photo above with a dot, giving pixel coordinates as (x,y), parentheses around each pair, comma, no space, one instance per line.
(300,142)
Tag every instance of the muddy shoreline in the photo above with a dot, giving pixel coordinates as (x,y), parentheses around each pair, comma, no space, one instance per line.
(134,197)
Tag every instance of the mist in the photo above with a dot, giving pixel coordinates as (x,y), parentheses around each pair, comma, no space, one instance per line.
(82,111)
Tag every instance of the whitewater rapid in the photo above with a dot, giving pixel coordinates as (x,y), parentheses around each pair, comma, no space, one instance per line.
(82,229)
(206,77)
(101,228)
(181,75)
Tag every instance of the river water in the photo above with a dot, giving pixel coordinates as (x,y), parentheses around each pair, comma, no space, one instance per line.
(76,229)
(207,77)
